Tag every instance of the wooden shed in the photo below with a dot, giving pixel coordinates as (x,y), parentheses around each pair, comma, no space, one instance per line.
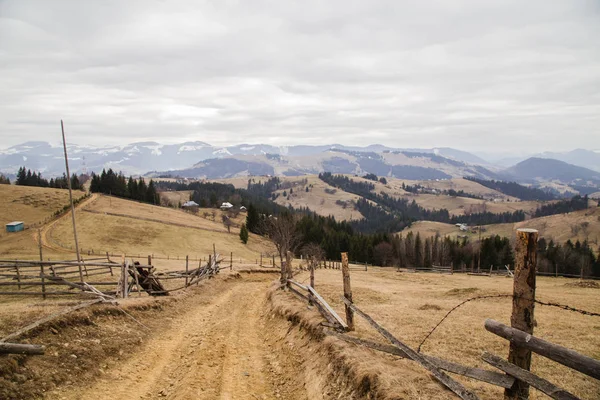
(15,226)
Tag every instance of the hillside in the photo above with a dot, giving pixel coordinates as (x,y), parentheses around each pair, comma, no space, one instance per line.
(580,225)
(545,169)
(31,205)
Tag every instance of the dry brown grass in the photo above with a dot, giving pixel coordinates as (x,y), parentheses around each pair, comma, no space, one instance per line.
(176,197)
(130,235)
(409,305)
(31,204)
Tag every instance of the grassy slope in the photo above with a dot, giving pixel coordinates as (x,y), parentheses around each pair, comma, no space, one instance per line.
(579,225)
(31,204)
(135,233)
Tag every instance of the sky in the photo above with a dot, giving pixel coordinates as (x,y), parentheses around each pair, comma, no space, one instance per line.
(491,76)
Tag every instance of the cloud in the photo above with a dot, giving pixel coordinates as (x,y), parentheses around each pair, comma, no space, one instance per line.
(495,76)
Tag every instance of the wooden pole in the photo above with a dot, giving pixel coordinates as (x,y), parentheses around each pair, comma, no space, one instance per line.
(150,259)
(273,260)
(42,264)
(288,265)
(312,279)
(18,275)
(261,259)
(187,270)
(62,127)
(347,291)
(14,348)
(231,261)
(523,305)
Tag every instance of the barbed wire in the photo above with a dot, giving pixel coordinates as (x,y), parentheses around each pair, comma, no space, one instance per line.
(543,303)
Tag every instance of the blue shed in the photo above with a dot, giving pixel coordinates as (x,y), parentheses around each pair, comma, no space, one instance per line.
(15,226)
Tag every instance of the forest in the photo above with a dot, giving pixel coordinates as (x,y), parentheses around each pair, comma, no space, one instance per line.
(25,177)
(115,184)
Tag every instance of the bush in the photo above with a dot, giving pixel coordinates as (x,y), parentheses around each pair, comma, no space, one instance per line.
(244,234)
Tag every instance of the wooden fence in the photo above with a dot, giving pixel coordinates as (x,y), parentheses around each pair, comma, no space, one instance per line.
(514,376)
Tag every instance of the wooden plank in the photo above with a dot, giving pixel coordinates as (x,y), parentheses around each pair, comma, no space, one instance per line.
(450,383)
(327,307)
(525,376)
(491,377)
(49,318)
(554,352)
(14,348)
(301,286)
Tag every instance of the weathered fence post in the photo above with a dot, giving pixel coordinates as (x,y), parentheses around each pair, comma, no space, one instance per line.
(282,278)
(365,265)
(273,260)
(150,259)
(288,265)
(41,264)
(523,305)
(261,259)
(18,276)
(187,270)
(347,291)
(231,261)
(311,263)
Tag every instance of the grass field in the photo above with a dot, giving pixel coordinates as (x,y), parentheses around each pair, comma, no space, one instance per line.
(409,305)
(147,229)
(31,205)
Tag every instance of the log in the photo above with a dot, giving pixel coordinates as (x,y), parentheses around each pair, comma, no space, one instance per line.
(49,318)
(491,377)
(29,349)
(525,376)
(450,383)
(554,352)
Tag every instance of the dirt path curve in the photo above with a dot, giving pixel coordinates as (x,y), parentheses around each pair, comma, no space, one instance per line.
(46,230)
(216,350)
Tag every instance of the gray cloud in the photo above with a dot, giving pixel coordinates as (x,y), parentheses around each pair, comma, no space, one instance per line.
(493,75)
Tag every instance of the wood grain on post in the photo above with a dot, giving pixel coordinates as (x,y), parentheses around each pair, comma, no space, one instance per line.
(523,305)
(347,291)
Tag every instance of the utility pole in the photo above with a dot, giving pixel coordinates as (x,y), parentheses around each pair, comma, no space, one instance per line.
(62,127)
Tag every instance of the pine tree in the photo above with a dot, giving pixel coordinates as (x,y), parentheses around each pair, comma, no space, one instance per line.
(244,234)
(252,219)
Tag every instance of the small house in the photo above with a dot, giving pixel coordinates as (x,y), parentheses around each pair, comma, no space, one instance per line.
(190,203)
(15,226)
(226,206)
(243,209)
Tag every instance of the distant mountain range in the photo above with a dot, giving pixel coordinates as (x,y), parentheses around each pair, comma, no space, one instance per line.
(202,160)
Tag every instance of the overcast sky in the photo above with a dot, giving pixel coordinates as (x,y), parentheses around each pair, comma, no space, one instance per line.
(475,75)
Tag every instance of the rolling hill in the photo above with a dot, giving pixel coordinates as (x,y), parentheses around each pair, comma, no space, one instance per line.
(544,169)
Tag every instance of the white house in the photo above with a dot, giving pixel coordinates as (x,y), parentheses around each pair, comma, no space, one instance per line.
(243,209)
(190,203)
(226,206)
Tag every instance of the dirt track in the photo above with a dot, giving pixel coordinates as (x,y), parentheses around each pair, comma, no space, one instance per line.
(220,348)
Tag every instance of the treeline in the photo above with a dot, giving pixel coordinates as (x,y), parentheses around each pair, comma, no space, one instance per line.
(392,213)
(4,180)
(116,184)
(575,203)
(27,178)
(514,189)
(213,194)
(416,188)
(570,258)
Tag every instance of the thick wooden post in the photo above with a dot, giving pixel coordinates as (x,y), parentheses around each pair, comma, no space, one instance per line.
(18,275)
(150,259)
(41,264)
(273,260)
(311,263)
(347,291)
(231,261)
(365,265)
(187,270)
(261,259)
(523,305)
(288,265)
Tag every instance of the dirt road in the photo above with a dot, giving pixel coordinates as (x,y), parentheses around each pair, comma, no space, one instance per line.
(220,348)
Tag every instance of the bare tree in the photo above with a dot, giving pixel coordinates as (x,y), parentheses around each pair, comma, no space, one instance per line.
(227,222)
(314,254)
(281,230)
